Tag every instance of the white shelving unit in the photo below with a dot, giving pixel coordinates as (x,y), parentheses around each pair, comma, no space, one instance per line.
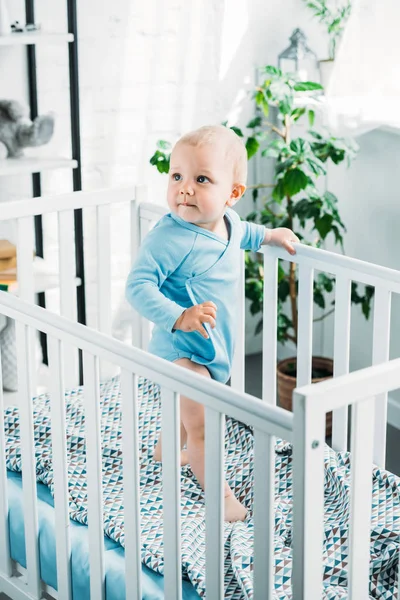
(25,164)
(34,37)
(45,276)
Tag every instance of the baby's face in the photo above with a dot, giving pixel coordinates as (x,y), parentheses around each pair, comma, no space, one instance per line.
(200,183)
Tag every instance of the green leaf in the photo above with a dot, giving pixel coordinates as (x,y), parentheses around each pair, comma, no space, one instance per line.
(256,122)
(252,216)
(285,165)
(294,181)
(300,146)
(316,166)
(278,193)
(311,117)
(283,290)
(259,327)
(307,86)
(297,113)
(164,145)
(271,70)
(285,106)
(319,298)
(161,161)
(252,145)
(262,102)
(324,225)
(237,131)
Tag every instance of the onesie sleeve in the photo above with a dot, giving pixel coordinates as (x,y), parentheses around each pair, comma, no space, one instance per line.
(159,256)
(252,236)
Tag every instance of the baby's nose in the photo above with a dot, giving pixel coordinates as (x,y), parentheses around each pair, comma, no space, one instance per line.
(187,190)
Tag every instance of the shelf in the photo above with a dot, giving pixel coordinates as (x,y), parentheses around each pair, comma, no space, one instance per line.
(34,37)
(45,278)
(25,164)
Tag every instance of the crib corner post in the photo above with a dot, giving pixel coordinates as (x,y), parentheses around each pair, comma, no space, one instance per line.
(308,495)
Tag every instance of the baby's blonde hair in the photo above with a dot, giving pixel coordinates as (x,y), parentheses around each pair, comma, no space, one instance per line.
(235,148)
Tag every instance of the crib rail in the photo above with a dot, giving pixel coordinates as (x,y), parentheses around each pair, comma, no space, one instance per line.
(311,403)
(385,281)
(361,389)
(268,421)
(64,205)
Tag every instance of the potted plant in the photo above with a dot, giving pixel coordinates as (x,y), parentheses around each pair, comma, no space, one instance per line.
(291,200)
(333,16)
(295,201)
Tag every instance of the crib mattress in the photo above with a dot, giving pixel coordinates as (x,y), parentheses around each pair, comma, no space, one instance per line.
(152,582)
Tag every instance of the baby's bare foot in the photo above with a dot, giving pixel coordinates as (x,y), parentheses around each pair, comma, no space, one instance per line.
(234,510)
(157,453)
(157,456)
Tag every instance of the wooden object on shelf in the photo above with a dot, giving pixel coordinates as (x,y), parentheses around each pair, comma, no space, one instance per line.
(8,263)
(7,250)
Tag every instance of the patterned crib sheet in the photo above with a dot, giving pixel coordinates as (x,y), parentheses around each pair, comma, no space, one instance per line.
(238,536)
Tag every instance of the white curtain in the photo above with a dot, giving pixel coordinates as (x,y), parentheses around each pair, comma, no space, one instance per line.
(364,89)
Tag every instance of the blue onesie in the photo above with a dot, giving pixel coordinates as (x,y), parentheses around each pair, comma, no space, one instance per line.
(180,265)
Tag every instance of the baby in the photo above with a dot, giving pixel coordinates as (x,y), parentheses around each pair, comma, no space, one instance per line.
(186,276)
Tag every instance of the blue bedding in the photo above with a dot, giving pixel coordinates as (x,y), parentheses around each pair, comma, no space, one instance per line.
(152,582)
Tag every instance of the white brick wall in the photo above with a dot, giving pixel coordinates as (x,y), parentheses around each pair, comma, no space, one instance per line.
(147,70)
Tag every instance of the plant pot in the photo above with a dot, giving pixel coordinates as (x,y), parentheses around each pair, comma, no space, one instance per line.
(325,71)
(322,368)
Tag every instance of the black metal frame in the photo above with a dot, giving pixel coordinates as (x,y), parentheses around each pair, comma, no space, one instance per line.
(76,155)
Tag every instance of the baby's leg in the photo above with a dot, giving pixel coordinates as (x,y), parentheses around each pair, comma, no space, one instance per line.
(192,416)
(157,455)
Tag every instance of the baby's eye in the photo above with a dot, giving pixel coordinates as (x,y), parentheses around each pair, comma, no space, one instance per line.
(176,176)
(202,179)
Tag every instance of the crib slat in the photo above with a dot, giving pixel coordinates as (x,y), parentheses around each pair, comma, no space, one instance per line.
(308,498)
(237,378)
(362,427)
(305,323)
(171,494)
(5,562)
(103,267)
(380,354)
(25,248)
(146,326)
(66,253)
(214,493)
(131,472)
(24,362)
(94,475)
(270,312)
(341,357)
(264,517)
(59,449)
(135,243)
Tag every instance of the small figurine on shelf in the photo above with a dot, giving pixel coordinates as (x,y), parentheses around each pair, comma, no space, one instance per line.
(17,131)
(16,27)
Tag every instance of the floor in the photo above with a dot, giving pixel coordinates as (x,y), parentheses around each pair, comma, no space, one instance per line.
(253,386)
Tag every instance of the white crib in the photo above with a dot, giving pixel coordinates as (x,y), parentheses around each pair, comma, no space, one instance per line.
(365,390)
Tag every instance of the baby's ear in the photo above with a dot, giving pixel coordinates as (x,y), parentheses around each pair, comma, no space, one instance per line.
(238,190)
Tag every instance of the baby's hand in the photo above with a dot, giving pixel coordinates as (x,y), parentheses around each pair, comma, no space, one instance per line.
(281,236)
(192,318)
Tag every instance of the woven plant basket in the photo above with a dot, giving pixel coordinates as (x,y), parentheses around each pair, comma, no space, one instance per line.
(287,381)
